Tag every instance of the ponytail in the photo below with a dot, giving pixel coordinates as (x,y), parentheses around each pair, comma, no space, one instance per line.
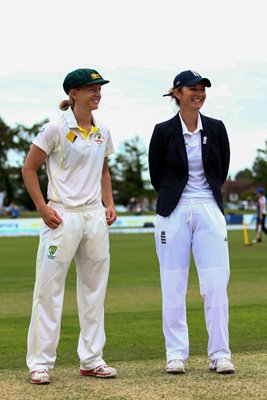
(65,104)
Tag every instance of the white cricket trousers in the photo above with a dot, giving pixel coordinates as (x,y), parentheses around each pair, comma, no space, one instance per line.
(83,235)
(196,225)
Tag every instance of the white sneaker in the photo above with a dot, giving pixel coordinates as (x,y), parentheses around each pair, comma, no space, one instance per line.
(40,376)
(222,365)
(175,367)
(102,371)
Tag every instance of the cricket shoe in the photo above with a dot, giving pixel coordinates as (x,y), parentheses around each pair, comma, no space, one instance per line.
(257,240)
(102,371)
(39,377)
(222,365)
(175,367)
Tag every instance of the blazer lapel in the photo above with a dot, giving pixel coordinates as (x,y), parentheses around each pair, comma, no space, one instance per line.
(179,138)
(205,140)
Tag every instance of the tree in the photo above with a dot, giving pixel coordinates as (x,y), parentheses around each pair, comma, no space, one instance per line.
(5,144)
(14,145)
(245,174)
(259,167)
(127,170)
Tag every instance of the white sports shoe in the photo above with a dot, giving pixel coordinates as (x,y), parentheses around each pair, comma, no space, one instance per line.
(175,367)
(222,365)
(39,377)
(102,371)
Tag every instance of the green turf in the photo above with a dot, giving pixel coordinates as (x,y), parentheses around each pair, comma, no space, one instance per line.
(133,302)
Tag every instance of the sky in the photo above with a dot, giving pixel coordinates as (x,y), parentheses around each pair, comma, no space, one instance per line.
(140,46)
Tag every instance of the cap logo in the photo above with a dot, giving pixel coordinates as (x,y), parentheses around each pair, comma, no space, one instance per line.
(194,73)
(95,76)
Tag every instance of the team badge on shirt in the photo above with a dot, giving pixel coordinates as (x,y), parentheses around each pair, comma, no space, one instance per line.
(99,138)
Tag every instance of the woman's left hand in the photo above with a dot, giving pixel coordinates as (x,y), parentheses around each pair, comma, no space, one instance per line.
(111,215)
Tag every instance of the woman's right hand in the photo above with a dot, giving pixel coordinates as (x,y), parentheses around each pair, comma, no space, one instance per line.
(50,217)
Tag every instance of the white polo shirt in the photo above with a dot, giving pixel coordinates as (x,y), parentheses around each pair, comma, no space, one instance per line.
(262,201)
(74,162)
(197,185)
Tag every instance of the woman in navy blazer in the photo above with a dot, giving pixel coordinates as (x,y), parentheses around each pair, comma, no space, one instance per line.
(188,163)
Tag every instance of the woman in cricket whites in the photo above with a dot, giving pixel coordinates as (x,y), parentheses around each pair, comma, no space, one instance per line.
(75,148)
(188,161)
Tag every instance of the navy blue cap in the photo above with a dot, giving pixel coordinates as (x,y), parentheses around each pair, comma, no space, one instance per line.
(188,78)
(259,190)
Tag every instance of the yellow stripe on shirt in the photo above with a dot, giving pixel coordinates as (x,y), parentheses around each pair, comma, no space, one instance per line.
(86,134)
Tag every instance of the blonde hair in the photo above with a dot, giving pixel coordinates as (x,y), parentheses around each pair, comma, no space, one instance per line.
(65,104)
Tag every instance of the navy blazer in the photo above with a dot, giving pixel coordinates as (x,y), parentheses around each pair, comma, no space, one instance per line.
(168,164)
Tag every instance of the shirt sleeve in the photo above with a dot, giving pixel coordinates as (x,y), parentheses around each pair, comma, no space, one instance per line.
(46,138)
(156,158)
(109,148)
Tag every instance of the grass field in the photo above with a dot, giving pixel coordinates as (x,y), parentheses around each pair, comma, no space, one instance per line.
(135,343)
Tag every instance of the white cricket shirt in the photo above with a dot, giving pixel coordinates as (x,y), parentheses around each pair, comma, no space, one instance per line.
(74,162)
(197,185)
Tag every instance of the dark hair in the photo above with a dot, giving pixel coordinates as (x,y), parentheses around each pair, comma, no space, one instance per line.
(173,97)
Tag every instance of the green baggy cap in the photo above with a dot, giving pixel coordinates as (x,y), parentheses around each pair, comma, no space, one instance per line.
(81,77)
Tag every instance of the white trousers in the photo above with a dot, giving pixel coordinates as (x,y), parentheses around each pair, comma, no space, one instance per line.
(83,235)
(196,225)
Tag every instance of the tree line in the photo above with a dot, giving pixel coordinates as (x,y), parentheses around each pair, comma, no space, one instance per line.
(128,167)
